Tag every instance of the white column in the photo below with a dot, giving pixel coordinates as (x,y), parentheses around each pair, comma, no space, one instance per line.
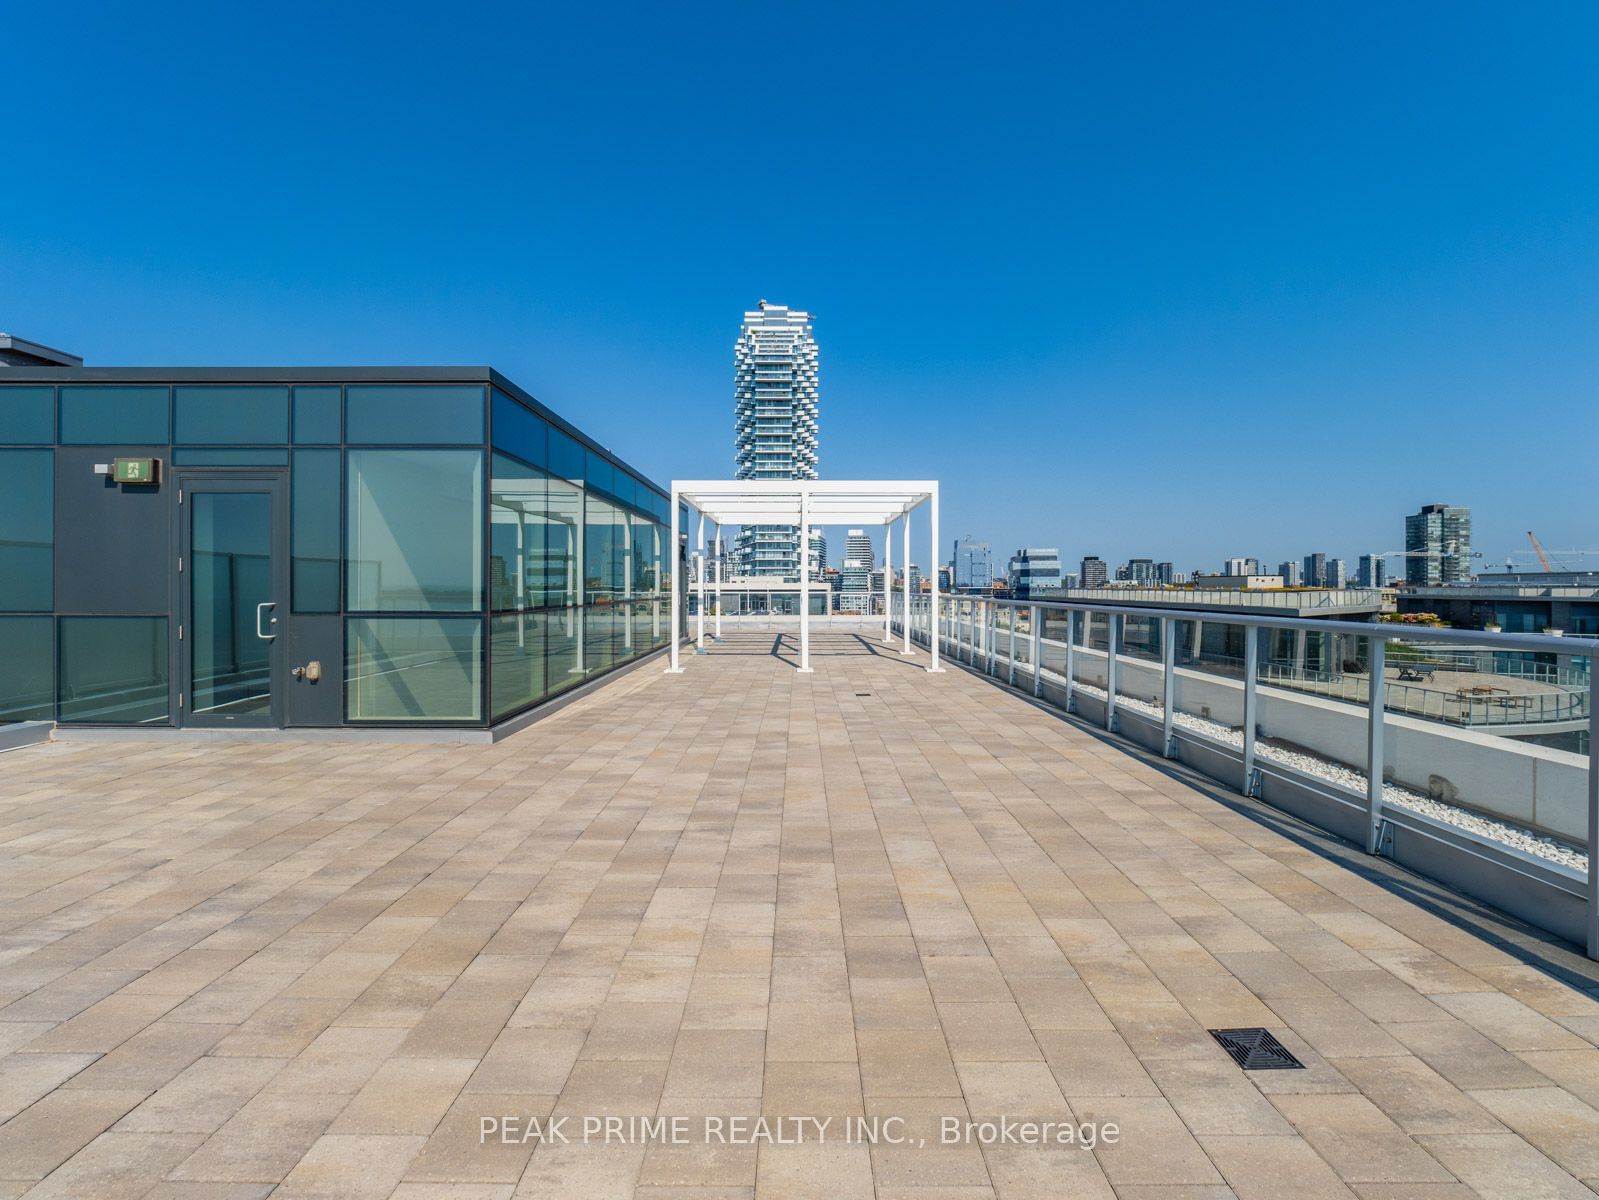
(699,573)
(933,641)
(669,562)
(905,546)
(888,582)
(716,575)
(805,579)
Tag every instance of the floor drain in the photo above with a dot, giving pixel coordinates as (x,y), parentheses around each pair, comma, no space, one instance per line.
(1256,1050)
(863,693)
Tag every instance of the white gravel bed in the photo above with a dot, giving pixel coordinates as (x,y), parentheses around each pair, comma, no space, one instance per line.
(1516,836)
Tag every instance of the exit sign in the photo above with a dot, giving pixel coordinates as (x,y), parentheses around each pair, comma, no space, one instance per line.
(135,470)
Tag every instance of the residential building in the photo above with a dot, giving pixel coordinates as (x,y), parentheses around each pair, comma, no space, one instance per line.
(775,424)
(974,565)
(312,547)
(1337,574)
(1165,574)
(1438,546)
(1141,570)
(1315,574)
(1290,571)
(856,572)
(1372,571)
(818,553)
(1091,572)
(1035,573)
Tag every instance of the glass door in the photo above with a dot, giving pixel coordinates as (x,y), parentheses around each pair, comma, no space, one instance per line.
(233,585)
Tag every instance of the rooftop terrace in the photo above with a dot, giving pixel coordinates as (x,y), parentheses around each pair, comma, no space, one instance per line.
(313,970)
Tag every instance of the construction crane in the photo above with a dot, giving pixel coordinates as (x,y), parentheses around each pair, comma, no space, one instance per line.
(1537,548)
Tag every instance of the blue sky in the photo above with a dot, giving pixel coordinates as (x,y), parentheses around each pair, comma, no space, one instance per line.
(1182,281)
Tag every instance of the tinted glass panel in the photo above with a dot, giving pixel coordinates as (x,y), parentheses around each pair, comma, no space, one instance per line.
(438,415)
(600,549)
(317,414)
(108,416)
(563,634)
(27,669)
(27,414)
(27,533)
(518,503)
(601,627)
(563,543)
(231,573)
(190,456)
(230,414)
(566,457)
(414,669)
(415,530)
(517,644)
(600,473)
(113,670)
(316,530)
(517,431)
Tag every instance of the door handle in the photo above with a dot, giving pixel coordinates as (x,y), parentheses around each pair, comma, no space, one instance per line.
(265,637)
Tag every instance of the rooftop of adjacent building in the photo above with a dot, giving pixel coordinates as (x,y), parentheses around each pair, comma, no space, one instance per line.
(15,351)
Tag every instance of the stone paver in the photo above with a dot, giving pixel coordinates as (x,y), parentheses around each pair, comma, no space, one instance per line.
(866,895)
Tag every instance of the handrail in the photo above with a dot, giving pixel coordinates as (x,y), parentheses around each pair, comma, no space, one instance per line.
(927,618)
(1393,632)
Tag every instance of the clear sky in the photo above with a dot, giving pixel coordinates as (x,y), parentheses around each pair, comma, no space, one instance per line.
(1176,280)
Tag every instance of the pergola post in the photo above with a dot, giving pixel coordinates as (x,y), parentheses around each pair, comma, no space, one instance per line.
(699,573)
(888,583)
(933,667)
(805,579)
(670,560)
(716,575)
(905,546)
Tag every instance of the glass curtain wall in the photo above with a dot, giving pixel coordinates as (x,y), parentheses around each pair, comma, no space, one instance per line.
(480,558)
(576,575)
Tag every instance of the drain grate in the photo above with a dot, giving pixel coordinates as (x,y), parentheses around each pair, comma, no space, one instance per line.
(1256,1050)
(863,693)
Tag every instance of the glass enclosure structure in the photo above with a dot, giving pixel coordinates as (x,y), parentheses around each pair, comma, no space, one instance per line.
(311,548)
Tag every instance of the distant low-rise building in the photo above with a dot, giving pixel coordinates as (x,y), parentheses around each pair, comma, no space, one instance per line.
(1035,573)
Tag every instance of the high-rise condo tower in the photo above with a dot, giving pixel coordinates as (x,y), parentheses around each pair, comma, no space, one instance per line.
(775,424)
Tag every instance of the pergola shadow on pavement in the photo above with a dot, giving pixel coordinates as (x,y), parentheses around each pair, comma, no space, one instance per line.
(864,893)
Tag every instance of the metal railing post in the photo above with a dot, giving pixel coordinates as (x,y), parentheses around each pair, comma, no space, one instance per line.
(1168,686)
(1010,649)
(1113,646)
(1377,656)
(1036,616)
(991,635)
(1251,669)
(1071,656)
(1593,811)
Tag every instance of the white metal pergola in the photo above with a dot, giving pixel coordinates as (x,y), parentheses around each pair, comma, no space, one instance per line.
(805,503)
